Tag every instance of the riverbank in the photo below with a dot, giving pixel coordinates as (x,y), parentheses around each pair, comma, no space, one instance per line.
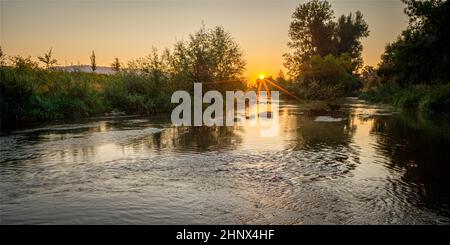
(429,99)
(36,95)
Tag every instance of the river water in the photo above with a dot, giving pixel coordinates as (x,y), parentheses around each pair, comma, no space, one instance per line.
(369,165)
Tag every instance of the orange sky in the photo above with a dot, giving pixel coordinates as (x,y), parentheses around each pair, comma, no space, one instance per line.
(128,30)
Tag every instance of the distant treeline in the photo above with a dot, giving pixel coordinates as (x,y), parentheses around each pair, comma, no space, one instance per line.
(30,92)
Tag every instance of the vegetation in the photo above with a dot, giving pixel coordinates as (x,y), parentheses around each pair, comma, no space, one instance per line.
(93,62)
(415,69)
(431,99)
(324,64)
(325,54)
(31,93)
(47,59)
(327,77)
(115,66)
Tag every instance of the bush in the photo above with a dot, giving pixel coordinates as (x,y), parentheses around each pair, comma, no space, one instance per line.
(438,100)
(431,99)
(327,78)
(32,94)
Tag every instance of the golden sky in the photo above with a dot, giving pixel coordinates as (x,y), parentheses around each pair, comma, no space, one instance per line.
(129,29)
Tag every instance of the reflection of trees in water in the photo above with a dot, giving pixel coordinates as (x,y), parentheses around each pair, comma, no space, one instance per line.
(420,149)
(312,134)
(197,138)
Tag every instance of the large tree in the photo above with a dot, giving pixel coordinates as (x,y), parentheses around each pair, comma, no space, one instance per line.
(310,32)
(313,31)
(210,55)
(348,33)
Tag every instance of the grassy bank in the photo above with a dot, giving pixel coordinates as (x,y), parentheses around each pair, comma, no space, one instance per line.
(33,94)
(430,99)
(30,92)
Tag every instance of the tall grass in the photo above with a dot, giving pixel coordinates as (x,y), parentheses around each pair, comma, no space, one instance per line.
(33,94)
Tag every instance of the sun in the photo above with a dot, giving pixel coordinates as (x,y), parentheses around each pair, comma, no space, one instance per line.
(262,76)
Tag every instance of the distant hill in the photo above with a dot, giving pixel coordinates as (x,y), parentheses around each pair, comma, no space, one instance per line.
(85,68)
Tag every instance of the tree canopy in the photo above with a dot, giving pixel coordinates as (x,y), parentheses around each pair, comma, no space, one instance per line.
(421,55)
(313,31)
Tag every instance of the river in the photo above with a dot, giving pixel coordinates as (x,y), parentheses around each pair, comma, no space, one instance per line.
(371,165)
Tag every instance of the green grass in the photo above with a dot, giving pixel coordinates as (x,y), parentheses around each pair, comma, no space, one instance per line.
(430,99)
(30,94)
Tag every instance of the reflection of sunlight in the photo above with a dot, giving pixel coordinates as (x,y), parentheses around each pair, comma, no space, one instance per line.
(251,135)
(368,156)
(110,151)
(102,127)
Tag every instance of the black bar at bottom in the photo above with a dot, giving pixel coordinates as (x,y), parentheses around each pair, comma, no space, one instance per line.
(210,234)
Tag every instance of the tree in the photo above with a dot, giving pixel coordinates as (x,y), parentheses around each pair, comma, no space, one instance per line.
(349,30)
(210,55)
(47,59)
(421,55)
(314,32)
(115,66)
(93,63)
(310,32)
(2,57)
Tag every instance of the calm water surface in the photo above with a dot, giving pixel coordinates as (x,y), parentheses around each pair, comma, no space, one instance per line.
(372,165)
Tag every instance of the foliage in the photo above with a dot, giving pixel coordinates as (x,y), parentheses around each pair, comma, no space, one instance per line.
(421,55)
(327,78)
(210,55)
(93,62)
(415,69)
(326,54)
(47,59)
(431,99)
(314,32)
(2,57)
(29,93)
(115,66)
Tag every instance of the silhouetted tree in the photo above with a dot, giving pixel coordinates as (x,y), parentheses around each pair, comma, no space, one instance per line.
(210,55)
(115,66)
(310,32)
(313,32)
(2,57)
(93,63)
(348,33)
(47,59)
